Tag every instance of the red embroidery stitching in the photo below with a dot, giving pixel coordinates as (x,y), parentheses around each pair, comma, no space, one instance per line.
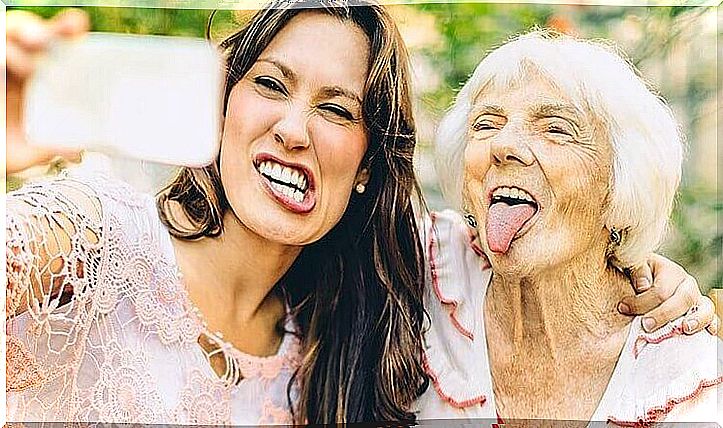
(435,282)
(477,249)
(644,340)
(454,403)
(655,414)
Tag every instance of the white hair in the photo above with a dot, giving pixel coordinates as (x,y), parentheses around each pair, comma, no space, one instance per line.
(647,143)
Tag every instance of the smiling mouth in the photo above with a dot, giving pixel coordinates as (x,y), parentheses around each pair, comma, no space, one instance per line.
(511,208)
(292,186)
(289,181)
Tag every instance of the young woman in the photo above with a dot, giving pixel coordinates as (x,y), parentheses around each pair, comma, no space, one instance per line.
(295,253)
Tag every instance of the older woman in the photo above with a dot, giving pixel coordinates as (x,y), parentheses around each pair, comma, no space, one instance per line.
(570,169)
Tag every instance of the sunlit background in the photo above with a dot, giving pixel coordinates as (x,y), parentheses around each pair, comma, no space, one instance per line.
(674,47)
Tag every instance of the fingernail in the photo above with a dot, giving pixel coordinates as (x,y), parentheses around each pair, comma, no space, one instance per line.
(648,324)
(691,325)
(643,284)
(623,308)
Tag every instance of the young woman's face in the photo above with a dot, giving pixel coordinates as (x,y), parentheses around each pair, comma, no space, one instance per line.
(294,136)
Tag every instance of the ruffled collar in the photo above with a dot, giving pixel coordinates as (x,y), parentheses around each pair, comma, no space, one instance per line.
(657,372)
(454,303)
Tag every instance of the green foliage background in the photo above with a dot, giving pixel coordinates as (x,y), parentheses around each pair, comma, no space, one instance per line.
(661,41)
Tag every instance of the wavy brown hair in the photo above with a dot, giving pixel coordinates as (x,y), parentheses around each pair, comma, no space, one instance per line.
(356,294)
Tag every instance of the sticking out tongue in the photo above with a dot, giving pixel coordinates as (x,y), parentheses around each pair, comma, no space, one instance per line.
(503,223)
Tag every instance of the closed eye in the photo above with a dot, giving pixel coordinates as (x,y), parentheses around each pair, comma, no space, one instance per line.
(271,84)
(558,130)
(484,125)
(337,110)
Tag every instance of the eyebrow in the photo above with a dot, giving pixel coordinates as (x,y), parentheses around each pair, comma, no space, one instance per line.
(326,91)
(286,71)
(489,109)
(338,91)
(565,111)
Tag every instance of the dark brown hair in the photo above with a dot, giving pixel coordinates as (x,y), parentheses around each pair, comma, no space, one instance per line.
(356,294)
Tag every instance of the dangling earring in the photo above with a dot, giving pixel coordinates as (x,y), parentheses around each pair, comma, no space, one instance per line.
(360,188)
(471,220)
(616,236)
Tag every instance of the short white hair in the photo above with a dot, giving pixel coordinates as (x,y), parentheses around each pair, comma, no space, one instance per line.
(646,140)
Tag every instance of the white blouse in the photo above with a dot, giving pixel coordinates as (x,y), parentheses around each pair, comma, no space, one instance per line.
(663,376)
(104,330)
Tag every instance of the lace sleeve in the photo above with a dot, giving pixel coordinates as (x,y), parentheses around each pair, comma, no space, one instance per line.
(54,239)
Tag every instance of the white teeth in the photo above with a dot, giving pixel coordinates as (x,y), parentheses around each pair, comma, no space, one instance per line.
(276,171)
(287,175)
(298,196)
(512,193)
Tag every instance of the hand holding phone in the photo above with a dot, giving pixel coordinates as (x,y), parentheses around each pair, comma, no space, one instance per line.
(27,38)
(145,97)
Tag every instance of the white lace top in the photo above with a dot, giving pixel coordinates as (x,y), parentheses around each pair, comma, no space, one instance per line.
(663,376)
(100,328)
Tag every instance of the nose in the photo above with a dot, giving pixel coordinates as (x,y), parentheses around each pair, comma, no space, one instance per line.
(291,129)
(511,147)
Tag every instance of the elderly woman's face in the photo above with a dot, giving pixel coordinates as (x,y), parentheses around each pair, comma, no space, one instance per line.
(294,137)
(537,176)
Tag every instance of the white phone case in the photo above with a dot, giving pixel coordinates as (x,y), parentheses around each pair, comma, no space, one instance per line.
(147,97)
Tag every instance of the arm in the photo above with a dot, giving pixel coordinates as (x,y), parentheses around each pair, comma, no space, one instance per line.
(54,245)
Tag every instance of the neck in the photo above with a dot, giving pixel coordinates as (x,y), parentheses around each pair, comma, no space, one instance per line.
(562,309)
(230,278)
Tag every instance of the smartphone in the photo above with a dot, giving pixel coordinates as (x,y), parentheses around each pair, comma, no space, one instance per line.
(152,98)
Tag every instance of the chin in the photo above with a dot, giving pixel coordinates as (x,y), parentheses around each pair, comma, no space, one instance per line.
(518,261)
(527,254)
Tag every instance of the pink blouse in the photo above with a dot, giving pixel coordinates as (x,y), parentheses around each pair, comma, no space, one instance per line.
(103,330)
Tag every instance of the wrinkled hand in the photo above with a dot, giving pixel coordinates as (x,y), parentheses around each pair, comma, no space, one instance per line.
(665,293)
(27,39)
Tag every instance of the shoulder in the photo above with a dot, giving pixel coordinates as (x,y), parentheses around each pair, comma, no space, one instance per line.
(457,277)
(457,270)
(93,194)
(670,376)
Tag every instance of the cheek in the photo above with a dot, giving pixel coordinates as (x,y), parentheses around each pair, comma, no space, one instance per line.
(580,181)
(476,165)
(476,160)
(247,114)
(339,151)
